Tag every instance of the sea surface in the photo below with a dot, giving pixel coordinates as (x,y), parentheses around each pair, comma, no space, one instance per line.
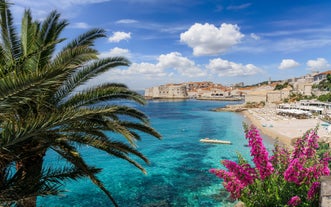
(178,174)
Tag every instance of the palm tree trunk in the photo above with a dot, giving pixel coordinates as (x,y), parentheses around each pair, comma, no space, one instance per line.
(31,174)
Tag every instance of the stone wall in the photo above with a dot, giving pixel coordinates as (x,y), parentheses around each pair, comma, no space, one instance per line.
(325,197)
(257,98)
(167,91)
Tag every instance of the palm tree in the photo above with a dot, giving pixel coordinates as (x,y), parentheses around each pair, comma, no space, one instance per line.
(41,108)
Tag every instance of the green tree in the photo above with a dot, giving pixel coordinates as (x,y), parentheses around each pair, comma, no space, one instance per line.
(325,97)
(325,85)
(41,108)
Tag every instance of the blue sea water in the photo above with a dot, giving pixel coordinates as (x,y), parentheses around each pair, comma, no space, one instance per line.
(178,174)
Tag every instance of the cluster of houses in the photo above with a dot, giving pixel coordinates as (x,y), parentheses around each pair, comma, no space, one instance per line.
(265,93)
(262,93)
(196,90)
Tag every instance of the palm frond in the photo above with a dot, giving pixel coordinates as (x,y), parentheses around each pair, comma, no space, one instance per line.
(114,148)
(27,32)
(51,29)
(72,59)
(126,111)
(86,73)
(9,36)
(86,39)
(71,154)
(14,188)
(105,92)
(142,128)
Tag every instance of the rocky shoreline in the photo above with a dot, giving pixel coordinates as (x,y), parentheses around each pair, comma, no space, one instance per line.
(231,108)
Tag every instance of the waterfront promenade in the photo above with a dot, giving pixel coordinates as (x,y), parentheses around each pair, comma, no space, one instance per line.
(285,129)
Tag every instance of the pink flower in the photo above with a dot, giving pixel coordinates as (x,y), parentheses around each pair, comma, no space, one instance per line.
(300,146)
(259,153)
(296,172)
(294,201)
(311,145)
(231,183)
(306,145)
(313,190)
(244,173)
(280,159)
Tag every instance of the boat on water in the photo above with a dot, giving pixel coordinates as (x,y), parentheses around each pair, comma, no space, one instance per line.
(214,141)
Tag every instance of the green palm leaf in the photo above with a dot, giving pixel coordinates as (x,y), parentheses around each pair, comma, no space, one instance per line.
(86,73)
(72,155)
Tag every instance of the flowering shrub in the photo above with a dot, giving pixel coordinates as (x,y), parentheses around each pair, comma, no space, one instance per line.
(288,178)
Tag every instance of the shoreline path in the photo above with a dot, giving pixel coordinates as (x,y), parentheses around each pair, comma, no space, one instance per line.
(285,129)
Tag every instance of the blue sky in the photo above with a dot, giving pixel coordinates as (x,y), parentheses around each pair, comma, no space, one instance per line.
(224,41)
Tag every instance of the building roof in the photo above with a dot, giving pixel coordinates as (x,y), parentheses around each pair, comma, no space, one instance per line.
(324,73)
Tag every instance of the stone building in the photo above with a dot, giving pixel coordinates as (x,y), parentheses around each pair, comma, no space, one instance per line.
(167,91)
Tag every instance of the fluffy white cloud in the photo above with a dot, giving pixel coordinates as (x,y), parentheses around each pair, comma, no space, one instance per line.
(165,67)
(116,51)
(206,39)
(142,70)
(118,36)
(227,68)
(318,64)
(287,64)
(183,65)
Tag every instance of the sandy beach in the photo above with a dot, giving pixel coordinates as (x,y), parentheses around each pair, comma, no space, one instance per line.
(285,129)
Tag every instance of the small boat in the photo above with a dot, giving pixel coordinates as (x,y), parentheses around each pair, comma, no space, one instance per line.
(214,141)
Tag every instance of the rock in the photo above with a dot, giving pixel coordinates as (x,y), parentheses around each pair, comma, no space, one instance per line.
(239,204)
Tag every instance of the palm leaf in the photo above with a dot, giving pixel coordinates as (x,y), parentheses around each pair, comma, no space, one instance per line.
(114,148)
(51,29)
(105,92)
(86,73)
(87,39)
(9,36)
(71,154)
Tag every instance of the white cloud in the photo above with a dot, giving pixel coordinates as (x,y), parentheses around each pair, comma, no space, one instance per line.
(81,25)
(143,70)
(183,65)
(254,36)
(227,68)
(287,64)
(168,65)
(239,7)
(318,64)
(126,21)
(116,51)
(118,36)
(207,39)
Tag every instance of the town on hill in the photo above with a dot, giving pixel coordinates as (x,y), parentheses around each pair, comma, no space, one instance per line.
(310,85)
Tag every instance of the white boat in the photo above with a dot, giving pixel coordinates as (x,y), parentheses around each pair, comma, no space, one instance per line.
(214,141)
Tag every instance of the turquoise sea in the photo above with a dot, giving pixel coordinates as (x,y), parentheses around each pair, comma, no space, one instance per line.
(178,174)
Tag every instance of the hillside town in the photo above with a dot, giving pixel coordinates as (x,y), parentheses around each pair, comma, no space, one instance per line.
(264,92)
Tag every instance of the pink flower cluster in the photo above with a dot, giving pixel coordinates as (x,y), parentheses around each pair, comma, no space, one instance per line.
(305,151)
(236,178)
(294,201)
(302,167)
(230,182)
(259,153)
(280,159)
(307,145)
(313,190)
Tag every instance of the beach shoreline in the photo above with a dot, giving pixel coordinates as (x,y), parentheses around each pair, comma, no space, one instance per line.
(284,129)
